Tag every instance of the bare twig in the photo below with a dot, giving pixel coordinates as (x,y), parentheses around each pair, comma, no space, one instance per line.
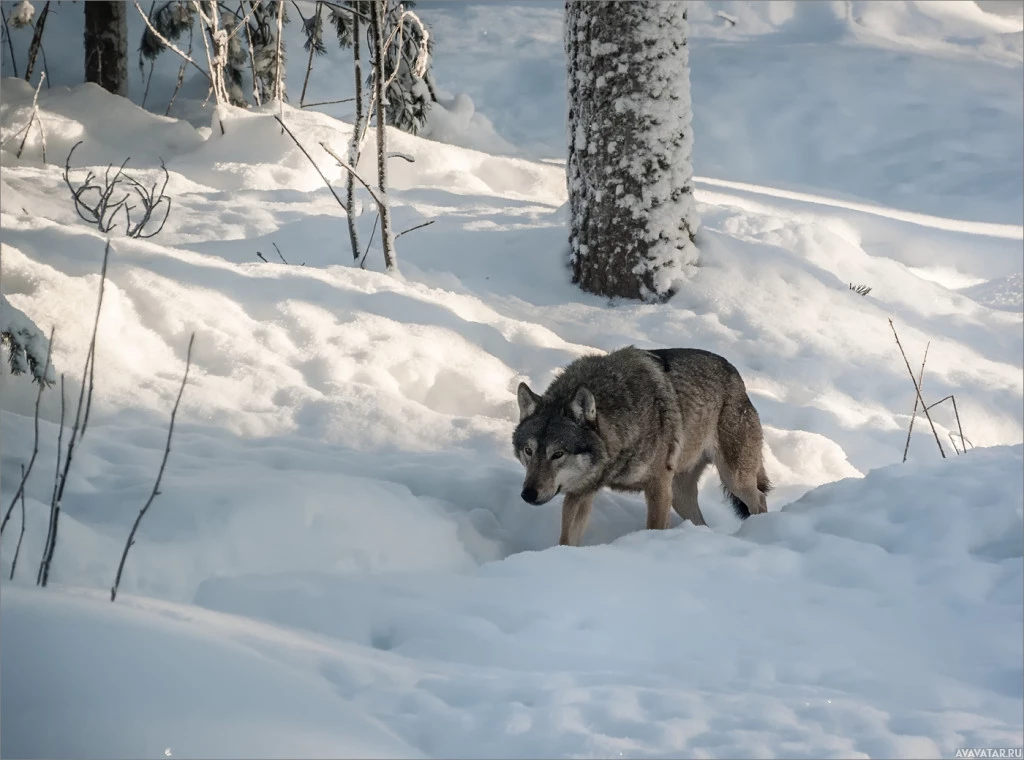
(279,81)
(159,475)
(376,221)
(150,200)
(35,437)
(306,154)
(913,415)
(10,44)
(417,227)
(60,440)
(403,156)
(309,63)
(149,80)
(21,535)
(956,413)
(77,432)
(181,76)
(91,359)
(37,40)
(34,119)
(46,66)
(917,389)
(103,212)
(350,170)
(278,251)
(262,256)
(252,8)
(325,103)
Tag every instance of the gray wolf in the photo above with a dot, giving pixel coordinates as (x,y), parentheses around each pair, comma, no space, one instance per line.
(641,420)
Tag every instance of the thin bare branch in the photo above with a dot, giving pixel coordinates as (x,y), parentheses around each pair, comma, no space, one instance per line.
(913,415)
(956,413)
(252,8)
(325,103)
(91,359)
(306,154)
(344,165)
(417,227)
(309,63)
(376,221)
(159,476)
(34,117)
(35,437)
(60,440)
(917,389)
(21,535)
(10,44)
(50,545)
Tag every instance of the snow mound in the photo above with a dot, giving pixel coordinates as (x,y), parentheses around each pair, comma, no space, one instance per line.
(875,617)
(1001,293)
(248,706)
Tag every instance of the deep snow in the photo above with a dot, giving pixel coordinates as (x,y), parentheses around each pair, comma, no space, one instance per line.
(341,469)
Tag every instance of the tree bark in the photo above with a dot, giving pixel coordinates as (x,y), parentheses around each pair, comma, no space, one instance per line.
(384,207)
(106,45)
(629,170)
(355,144)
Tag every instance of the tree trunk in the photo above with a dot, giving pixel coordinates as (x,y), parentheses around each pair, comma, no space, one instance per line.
(629,172)
(106,45)
(384,208)
(355,144)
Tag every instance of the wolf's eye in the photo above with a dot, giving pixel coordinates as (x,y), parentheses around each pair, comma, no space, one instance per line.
(558,455)
(528,451)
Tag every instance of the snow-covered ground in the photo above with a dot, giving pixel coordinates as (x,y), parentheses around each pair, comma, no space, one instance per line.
(339,563)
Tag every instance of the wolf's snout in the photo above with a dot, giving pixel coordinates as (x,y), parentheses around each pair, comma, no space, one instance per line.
(529,495)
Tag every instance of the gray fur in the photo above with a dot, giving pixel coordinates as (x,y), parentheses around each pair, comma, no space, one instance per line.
(637,420)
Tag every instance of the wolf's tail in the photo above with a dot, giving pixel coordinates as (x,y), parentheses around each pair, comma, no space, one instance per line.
(764,485)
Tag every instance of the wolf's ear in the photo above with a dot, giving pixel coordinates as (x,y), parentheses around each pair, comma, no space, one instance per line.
(528,401)
(583,406)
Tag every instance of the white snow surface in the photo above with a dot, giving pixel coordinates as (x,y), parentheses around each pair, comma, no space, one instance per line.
(339,563)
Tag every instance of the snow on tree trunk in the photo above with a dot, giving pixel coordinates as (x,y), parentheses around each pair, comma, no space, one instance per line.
(355,144)
(384,208)
(629,170)
(106,45)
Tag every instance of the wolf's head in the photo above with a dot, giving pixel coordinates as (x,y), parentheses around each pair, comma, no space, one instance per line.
(559,447)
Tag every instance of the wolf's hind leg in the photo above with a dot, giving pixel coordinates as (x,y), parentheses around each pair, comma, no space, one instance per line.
(575,514)
(658,493)
(684,493)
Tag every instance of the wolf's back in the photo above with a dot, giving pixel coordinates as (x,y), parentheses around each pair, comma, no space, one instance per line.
(699,374)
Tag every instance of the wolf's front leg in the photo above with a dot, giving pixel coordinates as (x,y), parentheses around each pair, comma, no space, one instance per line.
(658,493)
(575,513)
